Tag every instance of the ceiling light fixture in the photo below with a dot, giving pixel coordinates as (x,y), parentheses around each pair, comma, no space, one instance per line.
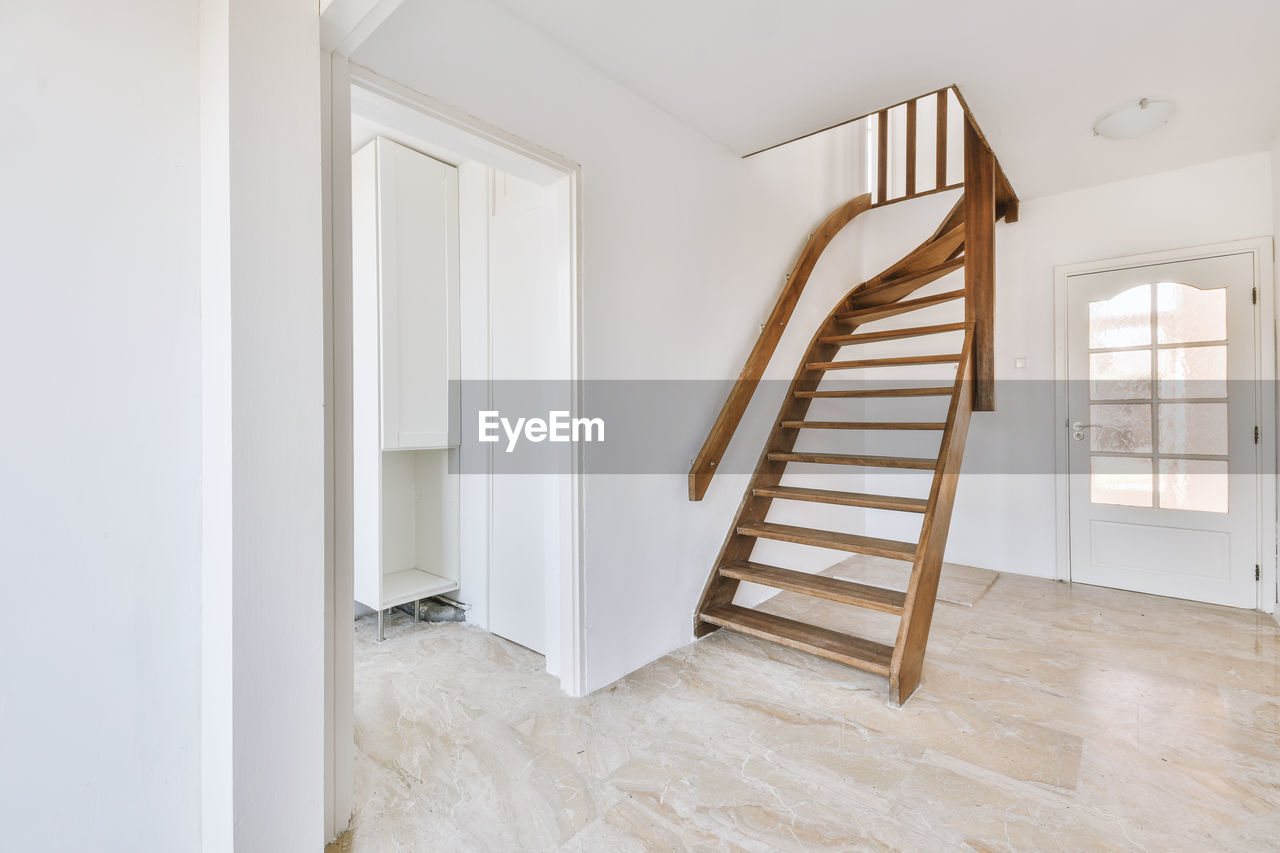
(1134,120)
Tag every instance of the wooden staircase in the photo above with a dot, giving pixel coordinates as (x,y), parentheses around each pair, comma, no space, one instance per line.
(847,340)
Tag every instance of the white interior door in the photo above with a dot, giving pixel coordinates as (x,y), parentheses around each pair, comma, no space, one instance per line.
(524,359)
(1162,418)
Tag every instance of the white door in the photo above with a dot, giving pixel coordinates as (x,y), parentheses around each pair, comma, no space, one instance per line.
(524,361)
(1162,439)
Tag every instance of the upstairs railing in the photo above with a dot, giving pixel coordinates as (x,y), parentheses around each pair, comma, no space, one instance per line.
(926,145)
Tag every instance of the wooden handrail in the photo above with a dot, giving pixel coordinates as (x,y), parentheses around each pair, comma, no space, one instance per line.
(704,466)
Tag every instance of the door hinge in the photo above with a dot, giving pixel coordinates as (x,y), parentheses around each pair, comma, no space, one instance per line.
(1256,435)
(1255,296)
(1257,572)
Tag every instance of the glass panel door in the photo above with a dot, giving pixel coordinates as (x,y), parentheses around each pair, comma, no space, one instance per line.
(1160,429)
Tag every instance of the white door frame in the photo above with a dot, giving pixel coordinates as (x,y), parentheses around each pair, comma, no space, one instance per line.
(345,24)
(1265,367)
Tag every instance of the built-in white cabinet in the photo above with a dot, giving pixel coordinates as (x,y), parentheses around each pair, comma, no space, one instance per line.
(404,344)
(412,259)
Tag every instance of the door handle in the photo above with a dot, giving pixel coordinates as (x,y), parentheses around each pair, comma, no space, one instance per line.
(1077,430)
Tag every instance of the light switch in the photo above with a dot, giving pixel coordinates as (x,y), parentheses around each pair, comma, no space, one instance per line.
(1020,363)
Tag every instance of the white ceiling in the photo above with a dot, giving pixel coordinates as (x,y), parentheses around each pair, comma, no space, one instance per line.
(1036,73)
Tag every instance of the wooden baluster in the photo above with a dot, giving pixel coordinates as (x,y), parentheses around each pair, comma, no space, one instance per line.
(941,133)
(882,157)
(980,265)
(911,148)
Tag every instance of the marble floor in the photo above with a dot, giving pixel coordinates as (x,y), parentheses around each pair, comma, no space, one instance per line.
(1051,717)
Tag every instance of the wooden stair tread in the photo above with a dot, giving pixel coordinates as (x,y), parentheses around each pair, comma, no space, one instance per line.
(843,648)
(830,496)
(894,361)
(851,542)
(863,460)
(891,278)
(819,586)
(942,246)
(935,391)
(889,290)
(890,425)
(865,315)
(893,334)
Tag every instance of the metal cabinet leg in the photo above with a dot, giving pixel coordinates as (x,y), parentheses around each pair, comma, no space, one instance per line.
(380,637)
(417,610)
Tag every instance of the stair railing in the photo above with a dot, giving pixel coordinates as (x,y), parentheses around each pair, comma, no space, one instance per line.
(988,196)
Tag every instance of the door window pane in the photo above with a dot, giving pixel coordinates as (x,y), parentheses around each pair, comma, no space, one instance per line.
(1123,428)
(1185,314)
(1193,428)
(1120,480)
(1124,320)
(1120,375)
(1193,372)
(1189,363)
(1195,484)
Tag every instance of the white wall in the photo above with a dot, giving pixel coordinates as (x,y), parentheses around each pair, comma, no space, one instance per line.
(684,250)
(100,457)
(264,385)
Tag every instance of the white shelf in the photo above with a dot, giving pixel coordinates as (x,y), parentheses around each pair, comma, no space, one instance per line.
(412,584)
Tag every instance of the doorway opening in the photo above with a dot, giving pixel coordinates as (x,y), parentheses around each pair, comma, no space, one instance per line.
(455,295)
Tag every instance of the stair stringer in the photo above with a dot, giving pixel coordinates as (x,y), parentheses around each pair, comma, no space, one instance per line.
(926,570)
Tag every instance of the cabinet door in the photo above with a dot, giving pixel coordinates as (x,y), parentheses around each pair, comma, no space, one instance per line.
(418,298)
